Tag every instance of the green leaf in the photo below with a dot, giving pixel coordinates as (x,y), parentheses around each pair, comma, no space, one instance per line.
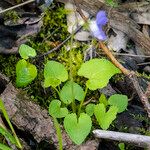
(2,107)
(79,129)
(7,134)
(70,92)
(4,147)
(26,51)
(121,146)
(105,118)
(98,71)
(103,100)
(120,101)
(25,73)
(56,111)
(54,74)
(90,109)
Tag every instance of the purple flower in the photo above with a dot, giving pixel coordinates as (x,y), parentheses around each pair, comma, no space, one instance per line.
(101,18)
(96,26)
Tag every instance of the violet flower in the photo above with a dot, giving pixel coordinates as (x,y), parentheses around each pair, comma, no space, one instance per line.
(96,26)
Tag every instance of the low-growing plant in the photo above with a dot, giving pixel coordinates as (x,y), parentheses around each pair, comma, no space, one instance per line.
(69,104)
(25,71)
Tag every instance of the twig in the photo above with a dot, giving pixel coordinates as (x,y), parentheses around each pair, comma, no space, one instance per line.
(147,93)
(80,11)
(89,101)
(61,44)
(140,140)
(145,63)
(130,55)
(113,59)
(16,6)
(141,94)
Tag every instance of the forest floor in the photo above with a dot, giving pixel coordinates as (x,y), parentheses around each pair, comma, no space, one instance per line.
(48,29)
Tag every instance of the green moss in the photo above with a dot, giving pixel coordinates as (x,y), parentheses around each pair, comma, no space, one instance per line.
(8,65)
(53,31)
(11,15)
(144,75)
(76,57)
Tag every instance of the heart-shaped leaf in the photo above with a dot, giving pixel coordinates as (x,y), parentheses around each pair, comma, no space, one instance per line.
(54,74)
(98,71)
(105,118)
(71,91)
(25,73)
(79,129)
(26,51)
(103,100)
(56,111)
(120,101)
(90,109)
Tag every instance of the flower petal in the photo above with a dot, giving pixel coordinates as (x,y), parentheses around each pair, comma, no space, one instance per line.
(102,36)
(101,18)
(97,31)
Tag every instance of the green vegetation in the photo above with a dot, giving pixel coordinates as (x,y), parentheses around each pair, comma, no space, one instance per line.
(12,138)
(62,82)
(76,122)
(12,15)
(52,33)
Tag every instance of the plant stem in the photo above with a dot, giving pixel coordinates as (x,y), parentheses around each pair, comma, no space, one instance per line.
(81,103)
(57,91)
(2,107)
(58,87)
(73,105)
(58,132)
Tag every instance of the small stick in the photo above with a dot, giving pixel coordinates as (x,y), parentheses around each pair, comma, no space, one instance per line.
(140,140)
(80,11)
(113,59)
(143,96)
(130,55)
(16,6)
(147,93)
(145,63)
(61,44)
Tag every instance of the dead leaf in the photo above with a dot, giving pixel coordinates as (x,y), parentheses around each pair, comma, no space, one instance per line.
(117,42)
